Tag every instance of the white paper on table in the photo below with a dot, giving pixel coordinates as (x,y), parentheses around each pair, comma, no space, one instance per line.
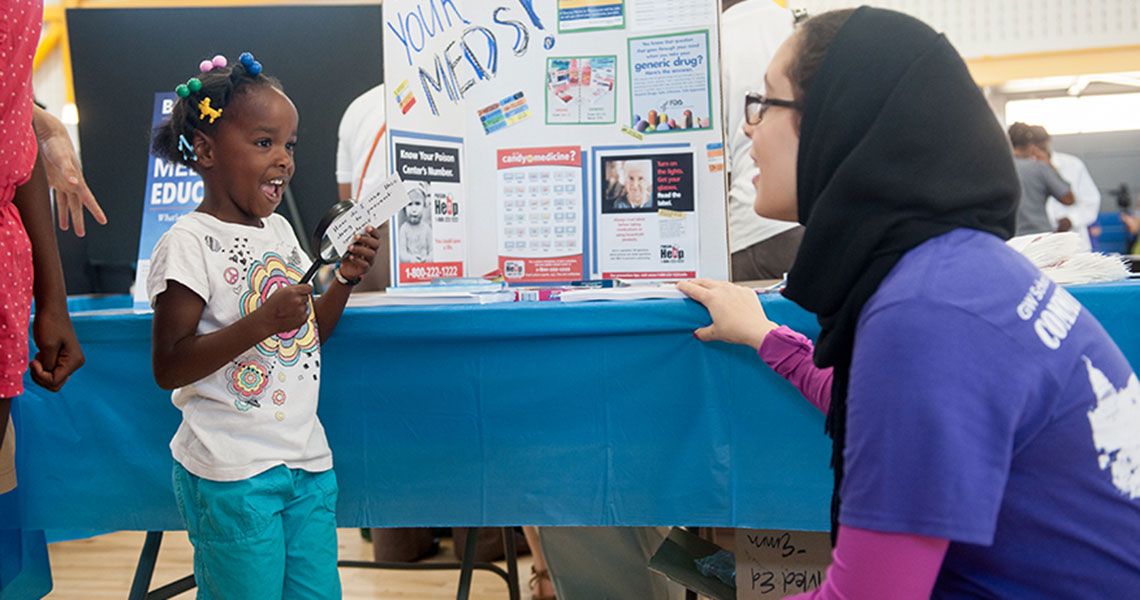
(640,292)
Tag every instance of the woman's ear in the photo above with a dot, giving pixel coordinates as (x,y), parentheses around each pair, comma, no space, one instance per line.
(204,149)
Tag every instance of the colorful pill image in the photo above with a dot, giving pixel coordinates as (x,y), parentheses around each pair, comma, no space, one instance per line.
(641,126)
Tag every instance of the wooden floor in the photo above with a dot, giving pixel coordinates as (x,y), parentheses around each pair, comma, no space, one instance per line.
(102,567)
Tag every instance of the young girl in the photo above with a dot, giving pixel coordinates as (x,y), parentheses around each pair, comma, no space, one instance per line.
(238,341)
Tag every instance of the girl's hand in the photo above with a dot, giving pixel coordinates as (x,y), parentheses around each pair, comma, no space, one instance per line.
(738,317)
(286,309)
(361,254)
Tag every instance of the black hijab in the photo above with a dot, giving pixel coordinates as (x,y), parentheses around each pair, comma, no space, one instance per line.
(897,146)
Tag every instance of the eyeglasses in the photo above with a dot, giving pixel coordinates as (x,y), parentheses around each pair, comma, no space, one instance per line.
(755,105)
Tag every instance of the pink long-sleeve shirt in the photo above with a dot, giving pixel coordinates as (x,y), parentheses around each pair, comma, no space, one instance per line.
(865,563)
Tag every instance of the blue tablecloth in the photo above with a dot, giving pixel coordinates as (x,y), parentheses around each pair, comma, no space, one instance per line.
(545,414)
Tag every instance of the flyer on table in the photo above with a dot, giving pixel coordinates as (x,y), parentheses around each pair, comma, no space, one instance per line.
(647,226)
(540,210)
(172,190)
(429,233)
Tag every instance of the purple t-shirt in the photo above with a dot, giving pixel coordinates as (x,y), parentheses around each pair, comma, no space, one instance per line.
(986,406)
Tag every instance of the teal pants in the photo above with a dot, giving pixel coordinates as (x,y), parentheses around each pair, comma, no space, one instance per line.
(270,537)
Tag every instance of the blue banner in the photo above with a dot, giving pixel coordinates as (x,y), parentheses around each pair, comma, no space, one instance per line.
(172,190)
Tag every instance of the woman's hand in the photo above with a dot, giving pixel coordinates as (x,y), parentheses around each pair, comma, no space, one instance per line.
(64,174)
(738,317)
(361,254)
(58,353)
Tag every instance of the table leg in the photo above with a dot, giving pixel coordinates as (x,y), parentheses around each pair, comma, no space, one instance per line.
(145,569)
(512,563)
(467,566)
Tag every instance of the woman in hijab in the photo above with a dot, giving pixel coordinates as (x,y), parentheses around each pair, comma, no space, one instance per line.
(984,425)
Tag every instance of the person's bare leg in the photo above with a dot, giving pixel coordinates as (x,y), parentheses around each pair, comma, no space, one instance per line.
(540,584)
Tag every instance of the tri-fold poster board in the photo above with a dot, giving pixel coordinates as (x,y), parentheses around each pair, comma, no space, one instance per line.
(556,140)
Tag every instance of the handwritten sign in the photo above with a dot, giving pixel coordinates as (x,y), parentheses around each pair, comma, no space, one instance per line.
(374,209)
(774,564)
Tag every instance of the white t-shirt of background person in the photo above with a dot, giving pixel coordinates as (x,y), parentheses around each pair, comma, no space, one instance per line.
(1086,207)
(356,135)
(751,31)
(260,409)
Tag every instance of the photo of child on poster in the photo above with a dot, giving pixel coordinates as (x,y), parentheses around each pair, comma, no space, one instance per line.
(415,225)
(430,241)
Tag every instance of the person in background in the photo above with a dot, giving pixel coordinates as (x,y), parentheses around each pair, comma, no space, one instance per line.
(611,562)
(1129,218)
(1079,216)
(362,163)
(751,30)
(1039,181)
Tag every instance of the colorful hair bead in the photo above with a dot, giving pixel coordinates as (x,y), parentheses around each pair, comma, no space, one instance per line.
(182,90)
(209,64)
(251,65)
(194,85)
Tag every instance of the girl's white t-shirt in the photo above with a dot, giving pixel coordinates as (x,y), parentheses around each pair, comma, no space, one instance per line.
(260,410)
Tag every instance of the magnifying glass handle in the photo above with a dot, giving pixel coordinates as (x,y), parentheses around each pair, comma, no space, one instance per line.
(312,271)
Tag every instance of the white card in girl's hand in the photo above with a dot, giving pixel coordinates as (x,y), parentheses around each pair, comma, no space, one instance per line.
(374,209)
(344,229)
(384,202)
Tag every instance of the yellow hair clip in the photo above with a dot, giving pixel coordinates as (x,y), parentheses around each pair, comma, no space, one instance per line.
(206,110)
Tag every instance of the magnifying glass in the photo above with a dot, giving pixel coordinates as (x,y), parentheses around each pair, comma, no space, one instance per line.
(327,253)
